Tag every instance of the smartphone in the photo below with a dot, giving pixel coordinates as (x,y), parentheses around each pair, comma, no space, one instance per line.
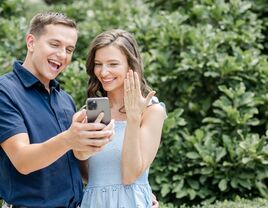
(97,105)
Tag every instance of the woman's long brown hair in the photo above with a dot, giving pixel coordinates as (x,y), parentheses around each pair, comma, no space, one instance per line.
(125,42)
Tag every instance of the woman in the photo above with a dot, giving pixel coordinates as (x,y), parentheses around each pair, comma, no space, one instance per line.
(118,175)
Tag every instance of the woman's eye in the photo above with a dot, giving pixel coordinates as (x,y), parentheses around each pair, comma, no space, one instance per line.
(113,64)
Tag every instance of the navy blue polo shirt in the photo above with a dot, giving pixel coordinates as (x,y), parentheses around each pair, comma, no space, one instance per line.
(26,107)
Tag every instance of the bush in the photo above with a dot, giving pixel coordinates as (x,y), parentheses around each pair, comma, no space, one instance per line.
(238,203)
(261,8)
(207,62)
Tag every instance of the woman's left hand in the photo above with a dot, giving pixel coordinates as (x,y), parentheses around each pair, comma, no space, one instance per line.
(134,102)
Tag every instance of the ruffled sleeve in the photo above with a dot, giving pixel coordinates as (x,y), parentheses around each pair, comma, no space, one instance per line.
(155,100)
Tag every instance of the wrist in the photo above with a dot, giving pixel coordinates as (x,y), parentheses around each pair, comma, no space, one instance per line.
(136,119)
(64,137)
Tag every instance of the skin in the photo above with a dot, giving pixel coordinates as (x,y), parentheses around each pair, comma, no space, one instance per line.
(144,124)
(47,56)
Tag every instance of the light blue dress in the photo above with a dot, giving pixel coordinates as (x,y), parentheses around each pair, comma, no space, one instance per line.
(105,188)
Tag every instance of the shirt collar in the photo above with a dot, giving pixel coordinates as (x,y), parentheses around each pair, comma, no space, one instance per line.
(28,79)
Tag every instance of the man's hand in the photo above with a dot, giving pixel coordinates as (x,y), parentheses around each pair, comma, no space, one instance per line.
(88,138)
(82,136)
(155,202)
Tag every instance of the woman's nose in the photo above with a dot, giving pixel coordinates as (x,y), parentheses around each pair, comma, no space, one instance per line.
(104,69)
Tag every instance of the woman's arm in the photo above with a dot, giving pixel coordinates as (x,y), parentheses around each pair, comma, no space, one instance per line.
(143,130)
(141,142)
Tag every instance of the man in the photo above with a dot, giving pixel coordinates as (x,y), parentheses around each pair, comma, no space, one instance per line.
(38,127)
(38,124)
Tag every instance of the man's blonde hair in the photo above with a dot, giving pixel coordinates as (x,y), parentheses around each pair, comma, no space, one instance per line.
(40,20)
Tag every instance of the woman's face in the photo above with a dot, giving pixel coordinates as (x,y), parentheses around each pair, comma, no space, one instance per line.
(111,67)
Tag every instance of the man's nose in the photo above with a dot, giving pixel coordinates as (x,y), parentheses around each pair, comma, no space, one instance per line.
(62,54)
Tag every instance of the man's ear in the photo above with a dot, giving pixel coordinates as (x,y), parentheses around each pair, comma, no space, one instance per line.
(30,40)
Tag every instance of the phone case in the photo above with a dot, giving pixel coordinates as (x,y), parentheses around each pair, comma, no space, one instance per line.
(97,105)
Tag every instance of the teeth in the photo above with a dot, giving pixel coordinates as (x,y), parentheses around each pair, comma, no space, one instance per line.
(55,64)
(107,80)
(54,61)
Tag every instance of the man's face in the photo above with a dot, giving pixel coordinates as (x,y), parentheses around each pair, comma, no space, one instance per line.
(51,52)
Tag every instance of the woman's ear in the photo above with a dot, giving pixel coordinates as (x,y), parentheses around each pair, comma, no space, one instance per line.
(30,42)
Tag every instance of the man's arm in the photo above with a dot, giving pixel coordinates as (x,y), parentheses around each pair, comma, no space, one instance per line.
(28,157)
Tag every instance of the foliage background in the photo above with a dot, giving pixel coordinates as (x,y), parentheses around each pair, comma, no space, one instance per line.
(207,60)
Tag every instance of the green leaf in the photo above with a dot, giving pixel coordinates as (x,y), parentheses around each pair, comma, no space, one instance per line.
(223,184)
(192,155)
(165,189)
(193,184)
(220,153)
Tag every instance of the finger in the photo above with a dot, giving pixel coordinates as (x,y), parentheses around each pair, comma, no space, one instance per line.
(97,142)
(126,92)
(96,134)
(127,83)
(131,80)
(137,80)
(85,120)
(125,87)
(92,149)
(149,97)
(110,138)
(79,116)
(92,126)
(110,126)
(99,118)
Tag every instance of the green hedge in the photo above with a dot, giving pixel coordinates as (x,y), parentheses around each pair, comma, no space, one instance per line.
(213,77)
(237,203)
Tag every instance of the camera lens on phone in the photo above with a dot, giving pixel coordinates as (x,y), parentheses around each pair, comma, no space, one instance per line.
(92,105)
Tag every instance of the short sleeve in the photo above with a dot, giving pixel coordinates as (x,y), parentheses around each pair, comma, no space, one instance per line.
(11,121)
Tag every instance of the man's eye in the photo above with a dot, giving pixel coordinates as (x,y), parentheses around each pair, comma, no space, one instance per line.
(69,51)
(54,44)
